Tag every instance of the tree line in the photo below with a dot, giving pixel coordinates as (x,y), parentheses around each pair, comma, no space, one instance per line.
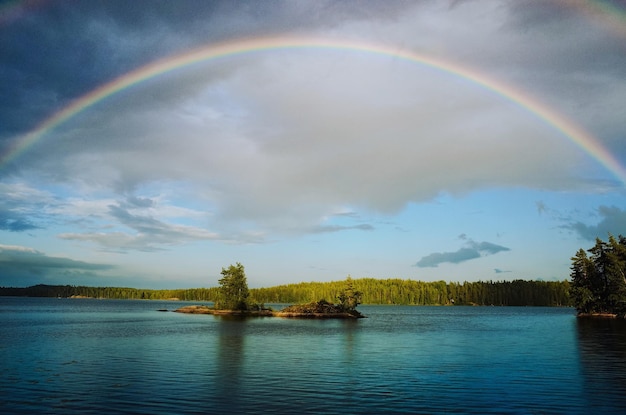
(122,293)
(372,291)
(411,292)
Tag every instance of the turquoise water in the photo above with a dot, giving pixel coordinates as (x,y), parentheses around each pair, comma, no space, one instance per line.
(107,356)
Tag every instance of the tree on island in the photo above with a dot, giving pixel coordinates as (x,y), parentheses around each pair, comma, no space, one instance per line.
(599,280)
(349,298)
(233,290)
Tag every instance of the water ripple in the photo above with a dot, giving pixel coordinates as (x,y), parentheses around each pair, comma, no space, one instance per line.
(124,357)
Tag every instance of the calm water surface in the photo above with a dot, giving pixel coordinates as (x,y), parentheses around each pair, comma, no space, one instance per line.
(107,356)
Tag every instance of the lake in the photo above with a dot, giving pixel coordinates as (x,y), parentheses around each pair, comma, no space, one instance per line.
(66,356)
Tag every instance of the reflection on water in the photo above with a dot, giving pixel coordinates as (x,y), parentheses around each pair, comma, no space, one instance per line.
(230,357)
(76,357)
(349,328)
(602,345)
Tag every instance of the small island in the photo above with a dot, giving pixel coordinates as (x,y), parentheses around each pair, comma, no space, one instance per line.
(598,286)
(317,309)
(233,301)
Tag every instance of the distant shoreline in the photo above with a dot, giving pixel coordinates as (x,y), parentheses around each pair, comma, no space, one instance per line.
(374,292)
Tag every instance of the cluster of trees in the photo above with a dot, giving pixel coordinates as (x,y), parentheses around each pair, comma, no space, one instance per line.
(364,290)
(598,280)
(234,293)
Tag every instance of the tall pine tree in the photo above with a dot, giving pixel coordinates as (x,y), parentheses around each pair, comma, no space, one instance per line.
(234,291)
(599,281)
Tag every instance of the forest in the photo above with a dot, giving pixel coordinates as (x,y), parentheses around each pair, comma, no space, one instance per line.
(374,291)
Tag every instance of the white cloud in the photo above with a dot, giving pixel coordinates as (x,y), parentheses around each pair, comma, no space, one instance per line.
(147,232)
(313,130)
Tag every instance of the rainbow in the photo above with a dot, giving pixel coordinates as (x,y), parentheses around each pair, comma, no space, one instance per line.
(568,128)
(607,14)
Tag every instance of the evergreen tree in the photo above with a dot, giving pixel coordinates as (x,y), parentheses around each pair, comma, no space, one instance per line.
(599,276)
(582,271)
(598,282)
(349,298)
(234,291)
(615,281)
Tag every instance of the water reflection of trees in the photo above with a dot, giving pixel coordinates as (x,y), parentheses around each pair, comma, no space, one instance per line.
(349,327)
(230,360)
(323,357)
(602,346)
(350,353)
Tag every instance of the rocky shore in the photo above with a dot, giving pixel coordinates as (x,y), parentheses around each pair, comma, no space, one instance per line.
(315,310)
(318,309)
(203,309)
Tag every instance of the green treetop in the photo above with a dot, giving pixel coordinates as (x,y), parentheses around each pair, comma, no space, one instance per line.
(233,289)
(349,298)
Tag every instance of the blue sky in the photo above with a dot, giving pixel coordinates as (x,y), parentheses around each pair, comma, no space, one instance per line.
(307,164)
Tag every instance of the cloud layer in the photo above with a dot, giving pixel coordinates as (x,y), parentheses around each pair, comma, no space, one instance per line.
(258,148)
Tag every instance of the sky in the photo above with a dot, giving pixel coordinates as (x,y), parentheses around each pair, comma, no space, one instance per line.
(148,144)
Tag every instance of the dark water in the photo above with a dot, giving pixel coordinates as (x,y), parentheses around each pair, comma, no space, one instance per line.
(95,356)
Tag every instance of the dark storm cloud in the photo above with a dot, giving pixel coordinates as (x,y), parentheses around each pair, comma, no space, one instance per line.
(550,19)
(588,69)
(49,56)
(472,250)
(59,50)
(62,50)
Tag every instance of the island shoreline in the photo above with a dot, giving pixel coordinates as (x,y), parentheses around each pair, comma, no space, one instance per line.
(202,309)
